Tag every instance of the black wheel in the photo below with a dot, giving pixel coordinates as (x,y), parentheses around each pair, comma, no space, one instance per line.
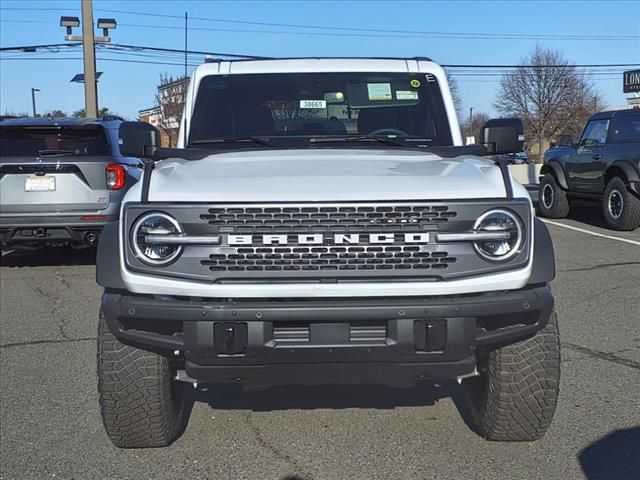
(620,207)
(142,405)
(552,201)
(515,396)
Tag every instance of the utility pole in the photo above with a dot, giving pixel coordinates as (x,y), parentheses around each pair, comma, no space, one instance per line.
(89,55)
(185,42)
(470,117)
(33,100)
(88,50)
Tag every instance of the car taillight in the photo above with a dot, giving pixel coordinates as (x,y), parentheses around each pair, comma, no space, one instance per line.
(116,176)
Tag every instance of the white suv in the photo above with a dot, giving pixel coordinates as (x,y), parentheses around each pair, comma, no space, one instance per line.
(321,222)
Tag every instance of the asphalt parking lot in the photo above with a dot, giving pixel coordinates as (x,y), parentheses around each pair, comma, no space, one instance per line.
(50,426)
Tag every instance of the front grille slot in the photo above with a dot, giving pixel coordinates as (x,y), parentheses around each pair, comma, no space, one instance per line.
(368,333)
(397,258)
(291,333)
(339,219)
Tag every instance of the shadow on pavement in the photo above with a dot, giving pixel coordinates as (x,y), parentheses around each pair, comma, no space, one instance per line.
(48,257)
(614,457)
(589,214)
(232,397)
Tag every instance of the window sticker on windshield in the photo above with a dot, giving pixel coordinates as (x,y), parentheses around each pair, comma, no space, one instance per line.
(415,83)
(379,91)
(406,95)
(313,104)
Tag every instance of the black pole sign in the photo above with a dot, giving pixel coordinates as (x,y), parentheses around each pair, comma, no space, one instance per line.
(631,81)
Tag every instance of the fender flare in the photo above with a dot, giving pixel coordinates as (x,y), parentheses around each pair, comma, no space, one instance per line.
(628,169)
(108,258)
(544,262)
(555,168)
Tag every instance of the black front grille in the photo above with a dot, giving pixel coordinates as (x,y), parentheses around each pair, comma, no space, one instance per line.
(338,219)
(345,258)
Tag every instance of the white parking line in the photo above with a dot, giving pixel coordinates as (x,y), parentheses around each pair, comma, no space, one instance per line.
(589,232)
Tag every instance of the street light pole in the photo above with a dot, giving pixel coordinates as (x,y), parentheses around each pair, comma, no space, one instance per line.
(88,40)
(33,99)
(89,54)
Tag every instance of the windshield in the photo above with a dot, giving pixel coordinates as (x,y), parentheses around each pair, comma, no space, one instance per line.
(297,107)
(60,140)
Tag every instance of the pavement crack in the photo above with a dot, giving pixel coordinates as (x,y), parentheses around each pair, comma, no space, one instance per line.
(609,357)
(40,342)
(276,452)
(55,310)
(598,267)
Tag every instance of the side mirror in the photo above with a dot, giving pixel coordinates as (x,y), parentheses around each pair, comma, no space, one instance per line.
(503,135)
(565,141)
(138,139)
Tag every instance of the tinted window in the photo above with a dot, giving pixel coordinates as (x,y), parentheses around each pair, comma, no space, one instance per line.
(297,106)
(595,133)
(35,141)
(625,128)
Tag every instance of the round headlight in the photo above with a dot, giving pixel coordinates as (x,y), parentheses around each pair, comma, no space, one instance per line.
(500,222)
(151,250)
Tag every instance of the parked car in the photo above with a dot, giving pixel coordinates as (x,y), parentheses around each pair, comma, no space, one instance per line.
(260,256)
(604,166)
(519,158)
(61,180)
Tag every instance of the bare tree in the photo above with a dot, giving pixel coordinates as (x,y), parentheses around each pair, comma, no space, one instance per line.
(170,97)
(473,129)
(455,93)
(55,114)
(550,95)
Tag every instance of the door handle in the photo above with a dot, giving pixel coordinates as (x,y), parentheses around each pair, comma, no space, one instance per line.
(597,156)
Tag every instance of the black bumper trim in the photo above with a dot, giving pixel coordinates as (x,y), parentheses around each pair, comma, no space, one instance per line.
(472,322)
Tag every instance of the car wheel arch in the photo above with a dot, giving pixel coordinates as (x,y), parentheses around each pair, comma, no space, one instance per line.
(554,168)
(621,169)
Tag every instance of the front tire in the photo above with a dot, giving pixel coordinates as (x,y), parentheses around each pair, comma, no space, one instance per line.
(553,201)
(142,406)
(515,396)
(620,207)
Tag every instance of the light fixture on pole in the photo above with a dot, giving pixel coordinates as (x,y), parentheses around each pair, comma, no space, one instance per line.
(88,40)
(70,23)
(106,24)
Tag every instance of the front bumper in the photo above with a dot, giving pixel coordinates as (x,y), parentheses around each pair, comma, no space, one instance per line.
(270,342)
(48,228)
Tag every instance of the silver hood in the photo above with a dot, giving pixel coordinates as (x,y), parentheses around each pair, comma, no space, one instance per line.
(324,175)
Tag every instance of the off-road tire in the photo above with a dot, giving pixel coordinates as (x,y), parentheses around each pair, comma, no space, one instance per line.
(142,405)
(558,206)
(515,396)
(629,216)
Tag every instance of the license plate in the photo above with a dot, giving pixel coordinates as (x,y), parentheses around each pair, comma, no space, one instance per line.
(44,183)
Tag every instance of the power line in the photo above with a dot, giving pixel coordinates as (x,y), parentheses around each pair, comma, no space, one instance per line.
(180,52)
(354,29)
(404,33)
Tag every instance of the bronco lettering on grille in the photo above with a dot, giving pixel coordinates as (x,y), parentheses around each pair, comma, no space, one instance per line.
(337,239)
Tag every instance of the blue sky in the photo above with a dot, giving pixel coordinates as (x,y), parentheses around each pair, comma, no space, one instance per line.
(127,87)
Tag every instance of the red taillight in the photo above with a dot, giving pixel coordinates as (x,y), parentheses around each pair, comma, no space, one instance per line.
(116,175)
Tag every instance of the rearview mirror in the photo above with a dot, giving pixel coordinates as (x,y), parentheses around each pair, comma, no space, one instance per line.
(565,141)
(138,139)
(503,135)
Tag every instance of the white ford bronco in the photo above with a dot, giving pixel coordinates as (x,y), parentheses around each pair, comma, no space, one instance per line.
(321,223)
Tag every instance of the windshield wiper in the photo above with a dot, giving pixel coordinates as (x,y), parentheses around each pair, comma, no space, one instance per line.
(256,140)
(359,138)
(56,152)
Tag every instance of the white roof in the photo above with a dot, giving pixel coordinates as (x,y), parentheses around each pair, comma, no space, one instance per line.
(312,65)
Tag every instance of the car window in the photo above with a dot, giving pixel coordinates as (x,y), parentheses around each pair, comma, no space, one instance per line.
(595,133)
(625,128)
(33,141)
(295,106)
